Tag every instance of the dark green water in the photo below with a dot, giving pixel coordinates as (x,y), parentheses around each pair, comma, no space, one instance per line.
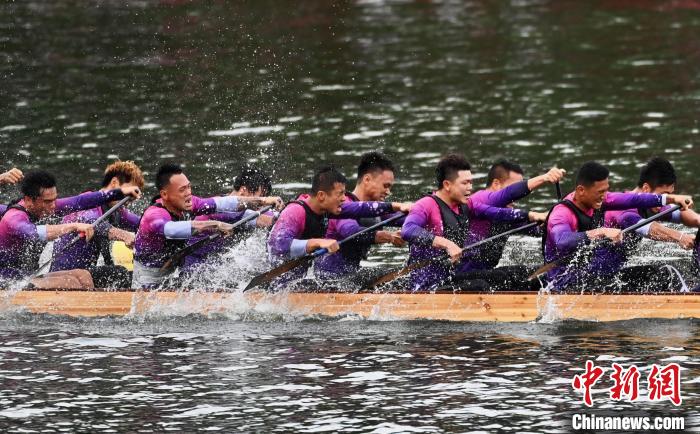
(291,85)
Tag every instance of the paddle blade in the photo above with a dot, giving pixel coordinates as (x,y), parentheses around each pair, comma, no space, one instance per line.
(396,274)
(276,272)
(546,268)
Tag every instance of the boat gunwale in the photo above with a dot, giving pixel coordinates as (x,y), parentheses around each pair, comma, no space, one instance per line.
(330,291)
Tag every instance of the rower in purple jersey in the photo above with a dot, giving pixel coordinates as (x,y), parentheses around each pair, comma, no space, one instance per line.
(505,185)
(23,238)
(439,223)
(303,224)
(375,178)
(250,182)
(12,176)
(167,224)
(121,226)
(579,219)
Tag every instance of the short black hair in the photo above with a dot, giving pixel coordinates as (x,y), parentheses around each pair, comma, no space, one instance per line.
(165,172)
(658,171)
(591,172)
(501,170)
(373,162)
(448,167)
(326,178)
(35,181)
(253,178)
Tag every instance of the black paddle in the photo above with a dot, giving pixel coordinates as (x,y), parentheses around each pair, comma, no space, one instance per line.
(417,265)
(177,258)
(77,238)
(558,188)
(562,261)
(294,263)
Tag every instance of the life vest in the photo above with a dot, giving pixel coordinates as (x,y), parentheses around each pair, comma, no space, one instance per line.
(455,227)
(29,257)
(355,251)
(584,222)
(315,226)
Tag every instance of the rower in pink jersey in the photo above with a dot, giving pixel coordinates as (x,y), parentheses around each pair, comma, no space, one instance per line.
(580,218)
(439,223)
(302,226)
(23,235)
(505,185)
(168,223)
(375,179)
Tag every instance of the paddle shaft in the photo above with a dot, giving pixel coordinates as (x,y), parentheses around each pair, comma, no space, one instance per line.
(558,188)
(293,263)
(175,258)
(418,265)
(77,238)
(550,265)
(321,252)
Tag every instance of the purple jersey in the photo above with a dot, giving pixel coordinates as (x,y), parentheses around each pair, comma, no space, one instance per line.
(84,254)
(290,233)
(425,222)
(22,239)
(487,256)
(564,236)
(161,234)
(347,260)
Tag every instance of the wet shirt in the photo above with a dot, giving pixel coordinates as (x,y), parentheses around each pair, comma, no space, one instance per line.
(286,242)
(424,223)
(84,254)
(219,245)
(22,239)
(563,237)
(160,234)
(487,256)
(347,260)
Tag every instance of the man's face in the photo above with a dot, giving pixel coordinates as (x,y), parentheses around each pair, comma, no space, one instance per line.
(378,184)
(178,193)
(593,196)
(460,188)
(44,205)
(330,201)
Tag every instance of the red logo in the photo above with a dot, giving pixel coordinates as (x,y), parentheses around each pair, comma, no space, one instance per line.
(587,380)
(664,383)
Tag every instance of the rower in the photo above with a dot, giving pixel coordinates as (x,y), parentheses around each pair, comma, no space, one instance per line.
(302,226)
(505,185)
(166,225)
(121,226)
(12,176)
(375,178)
(440,222)
(579,219)
(250,182)
(659,177)
(22,238)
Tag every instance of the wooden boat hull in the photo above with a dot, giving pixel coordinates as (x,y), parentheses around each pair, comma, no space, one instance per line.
(462,306)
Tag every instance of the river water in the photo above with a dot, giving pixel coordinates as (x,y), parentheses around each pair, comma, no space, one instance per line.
(290,85)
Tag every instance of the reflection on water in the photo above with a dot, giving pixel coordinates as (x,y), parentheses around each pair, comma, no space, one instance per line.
(313,376)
